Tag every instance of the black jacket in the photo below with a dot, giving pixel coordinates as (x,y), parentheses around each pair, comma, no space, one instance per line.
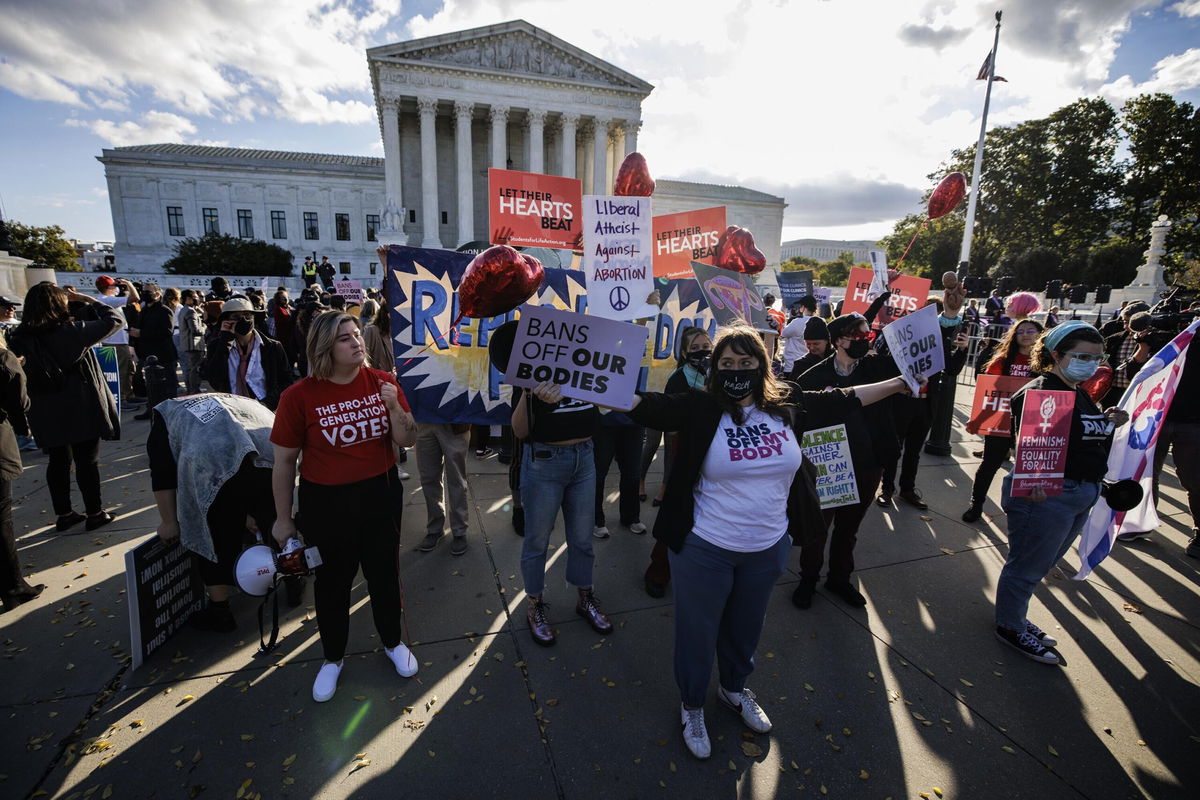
(872,430)
(277,374)
(696,415)
(13,405)
(156,325)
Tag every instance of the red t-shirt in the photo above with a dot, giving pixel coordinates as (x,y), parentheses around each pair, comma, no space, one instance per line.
(1017,368)
(342,429)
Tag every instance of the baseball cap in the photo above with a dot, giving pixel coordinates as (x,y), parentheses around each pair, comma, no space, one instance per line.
(105,282)
(5,300)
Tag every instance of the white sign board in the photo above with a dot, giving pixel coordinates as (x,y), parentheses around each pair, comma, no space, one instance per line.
(351,290)
(829,451)
(916,344)
(618,257)
(879,283)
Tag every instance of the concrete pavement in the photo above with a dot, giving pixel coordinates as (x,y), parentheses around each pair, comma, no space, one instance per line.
(910,695)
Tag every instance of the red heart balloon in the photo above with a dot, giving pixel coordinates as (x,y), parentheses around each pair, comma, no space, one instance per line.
(1098,385)
(736,251)
(633,178)
(948,194)
(498,280)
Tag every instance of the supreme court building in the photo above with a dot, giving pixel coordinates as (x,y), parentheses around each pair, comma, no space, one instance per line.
(510,96)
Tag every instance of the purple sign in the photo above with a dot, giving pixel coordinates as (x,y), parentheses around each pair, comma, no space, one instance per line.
(594,359)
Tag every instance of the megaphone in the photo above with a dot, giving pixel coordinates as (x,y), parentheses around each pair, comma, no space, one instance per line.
(255,570)
(1122,495)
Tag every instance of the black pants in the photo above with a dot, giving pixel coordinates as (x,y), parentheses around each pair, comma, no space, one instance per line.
(913,418)
(842,532)
(86,456)
(10,563)
(625,443)
(247,493)
(353,524)
(995,451)
(1183,439)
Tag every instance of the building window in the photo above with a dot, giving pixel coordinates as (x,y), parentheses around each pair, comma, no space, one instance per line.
(341,227)
(412,215)
(344,267)
(175,220)
(310,225)
(211,223)
(278,225)
(445,218)
(373,266)
(372,226)
(245,223)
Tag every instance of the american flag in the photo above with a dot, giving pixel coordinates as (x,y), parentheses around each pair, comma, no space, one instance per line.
(986,68)
(1147,400)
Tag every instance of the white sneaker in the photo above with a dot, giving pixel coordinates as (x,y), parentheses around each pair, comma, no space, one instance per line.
(326,683)
(600,532)
(403,475)
(637,527)
(751,712)
(402,657)
(695,735)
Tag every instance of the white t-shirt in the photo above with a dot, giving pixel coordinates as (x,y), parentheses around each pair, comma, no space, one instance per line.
(117,303)
(793,342)
(742,494)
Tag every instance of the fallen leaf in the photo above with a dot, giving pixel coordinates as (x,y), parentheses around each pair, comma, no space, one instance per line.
(965,682)
(751,750)
(918,716)
(946,550)
(288,780)
(196,758)
(871,675)
(937,791)
(247,737)
(1050,747)
(1008,750)
(287,762)
(927,519)
(845,731)
(795,766)
(137,723)
(733,766)
(1131,607)
(187,698)
(808,688)
(241,792)
(1141,743)
(863,774)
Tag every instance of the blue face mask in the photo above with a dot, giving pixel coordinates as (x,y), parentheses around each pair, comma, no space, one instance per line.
(1079,371)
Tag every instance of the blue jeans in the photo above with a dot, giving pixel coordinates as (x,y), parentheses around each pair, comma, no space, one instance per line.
(554,477)
(721,599)
(1039,534)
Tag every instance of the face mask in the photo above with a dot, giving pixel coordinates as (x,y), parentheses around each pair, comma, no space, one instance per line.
(698,359)
(225,336)
(737,384)
(858,348)
(1078,371)
(243,326)
(948,322)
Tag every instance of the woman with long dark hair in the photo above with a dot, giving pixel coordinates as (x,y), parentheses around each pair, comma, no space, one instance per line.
(71,408)
(737,498)
(1011,359)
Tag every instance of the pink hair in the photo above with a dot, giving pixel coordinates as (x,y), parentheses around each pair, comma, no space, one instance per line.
(1022,304)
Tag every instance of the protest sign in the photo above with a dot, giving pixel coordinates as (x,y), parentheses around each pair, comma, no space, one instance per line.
(1042,442)
(915,342)
(991,413)
(352,291)
(680,239)
(829,451)
(594,359)
(794,285)
(107,357)
(526,208)
(908,294)
(162,582)
(879,276)
(616,256)
(447,383)
(732,296)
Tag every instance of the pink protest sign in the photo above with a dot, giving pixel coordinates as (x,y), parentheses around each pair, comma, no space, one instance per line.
(1042,441)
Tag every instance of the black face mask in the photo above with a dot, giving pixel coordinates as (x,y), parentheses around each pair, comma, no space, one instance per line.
(225,336)
(737,384)
(858,348)
(243,326)
(698,359)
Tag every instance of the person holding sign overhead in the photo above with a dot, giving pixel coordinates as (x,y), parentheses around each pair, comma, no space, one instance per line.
(1041,527)
(738,497)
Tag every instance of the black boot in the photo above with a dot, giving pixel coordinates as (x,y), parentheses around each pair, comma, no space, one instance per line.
(22,594)
(802,597)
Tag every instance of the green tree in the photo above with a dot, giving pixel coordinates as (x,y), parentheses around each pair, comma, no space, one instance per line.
(1114,263)
(1030,267)
(222,254)
(935,249)
(834,273)
(798,263)
(45,245)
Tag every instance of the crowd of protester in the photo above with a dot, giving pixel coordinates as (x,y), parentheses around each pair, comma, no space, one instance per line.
(303,392)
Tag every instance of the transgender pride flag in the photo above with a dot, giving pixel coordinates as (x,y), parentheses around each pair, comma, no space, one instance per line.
(1132,456)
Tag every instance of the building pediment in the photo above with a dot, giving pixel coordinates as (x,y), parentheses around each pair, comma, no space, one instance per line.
(510,48)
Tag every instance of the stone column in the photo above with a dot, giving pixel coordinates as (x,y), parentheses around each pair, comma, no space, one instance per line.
(600,182)
(429,179)
(615,150)
(499,117)
(391,215)
(567,144)
(536,120)
(586,161)
(463,113)
(631,128)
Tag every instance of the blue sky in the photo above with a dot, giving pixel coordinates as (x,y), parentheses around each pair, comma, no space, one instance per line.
(784,96)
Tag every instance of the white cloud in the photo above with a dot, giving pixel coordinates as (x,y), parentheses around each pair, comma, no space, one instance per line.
(155,127)
(36,85)
(1187,8)
(1175,73)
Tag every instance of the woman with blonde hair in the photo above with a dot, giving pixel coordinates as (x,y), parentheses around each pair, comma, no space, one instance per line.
(345,418)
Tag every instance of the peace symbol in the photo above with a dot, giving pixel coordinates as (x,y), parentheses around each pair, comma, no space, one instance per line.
(619,298)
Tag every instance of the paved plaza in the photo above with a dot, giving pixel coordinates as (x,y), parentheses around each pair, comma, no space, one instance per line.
(910,697)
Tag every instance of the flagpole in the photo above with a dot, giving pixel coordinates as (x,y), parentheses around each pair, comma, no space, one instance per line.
(976,175)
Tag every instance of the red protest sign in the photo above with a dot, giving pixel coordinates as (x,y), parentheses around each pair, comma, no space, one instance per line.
(532,210)
(908,294)
(1042,440)
(991,413)
(680,239)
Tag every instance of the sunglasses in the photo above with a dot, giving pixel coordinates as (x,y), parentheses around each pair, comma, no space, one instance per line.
(1089,358)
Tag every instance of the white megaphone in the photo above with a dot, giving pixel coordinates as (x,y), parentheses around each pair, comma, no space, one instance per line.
(255,570)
